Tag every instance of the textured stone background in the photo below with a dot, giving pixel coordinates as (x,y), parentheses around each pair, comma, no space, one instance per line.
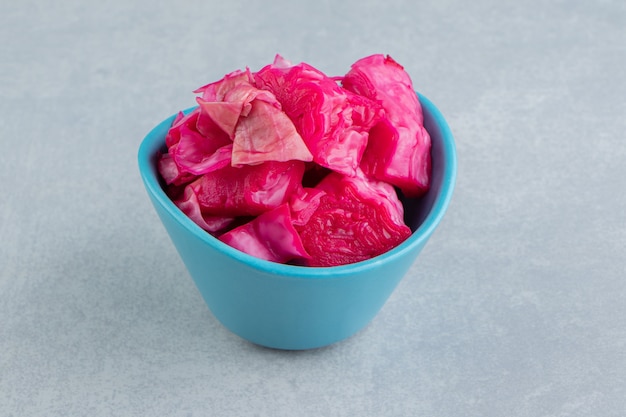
(517,306)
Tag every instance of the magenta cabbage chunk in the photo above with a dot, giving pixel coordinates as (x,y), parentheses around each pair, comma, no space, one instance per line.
(398,149)
(293,166)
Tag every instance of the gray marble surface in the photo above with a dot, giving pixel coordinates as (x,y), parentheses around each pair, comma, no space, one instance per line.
(517,306)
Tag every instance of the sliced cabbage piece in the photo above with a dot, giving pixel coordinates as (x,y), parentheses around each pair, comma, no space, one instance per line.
(253,119)
(270,236)
(170,173)
(398,149)
(321,112)
(249,190)
(189,205)
(267,134)
(303,204)
(355,219)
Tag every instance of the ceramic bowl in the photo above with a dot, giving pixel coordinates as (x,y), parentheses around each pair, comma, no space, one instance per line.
(294,307)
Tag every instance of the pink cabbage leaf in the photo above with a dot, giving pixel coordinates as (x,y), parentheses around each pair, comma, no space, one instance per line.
(249,190)
(189,205)
(356,219)
(253,120)
(321,111)
(398,150)
(270,236)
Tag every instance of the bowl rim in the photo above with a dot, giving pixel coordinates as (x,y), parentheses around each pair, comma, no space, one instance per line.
(418,237)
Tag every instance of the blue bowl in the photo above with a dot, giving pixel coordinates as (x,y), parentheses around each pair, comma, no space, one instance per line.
(293,307)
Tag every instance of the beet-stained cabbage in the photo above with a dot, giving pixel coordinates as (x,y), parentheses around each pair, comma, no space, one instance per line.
(190,205)
(322,112)
(398,150)
(356,219)
(293,166)
(270,236)
(248,190)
